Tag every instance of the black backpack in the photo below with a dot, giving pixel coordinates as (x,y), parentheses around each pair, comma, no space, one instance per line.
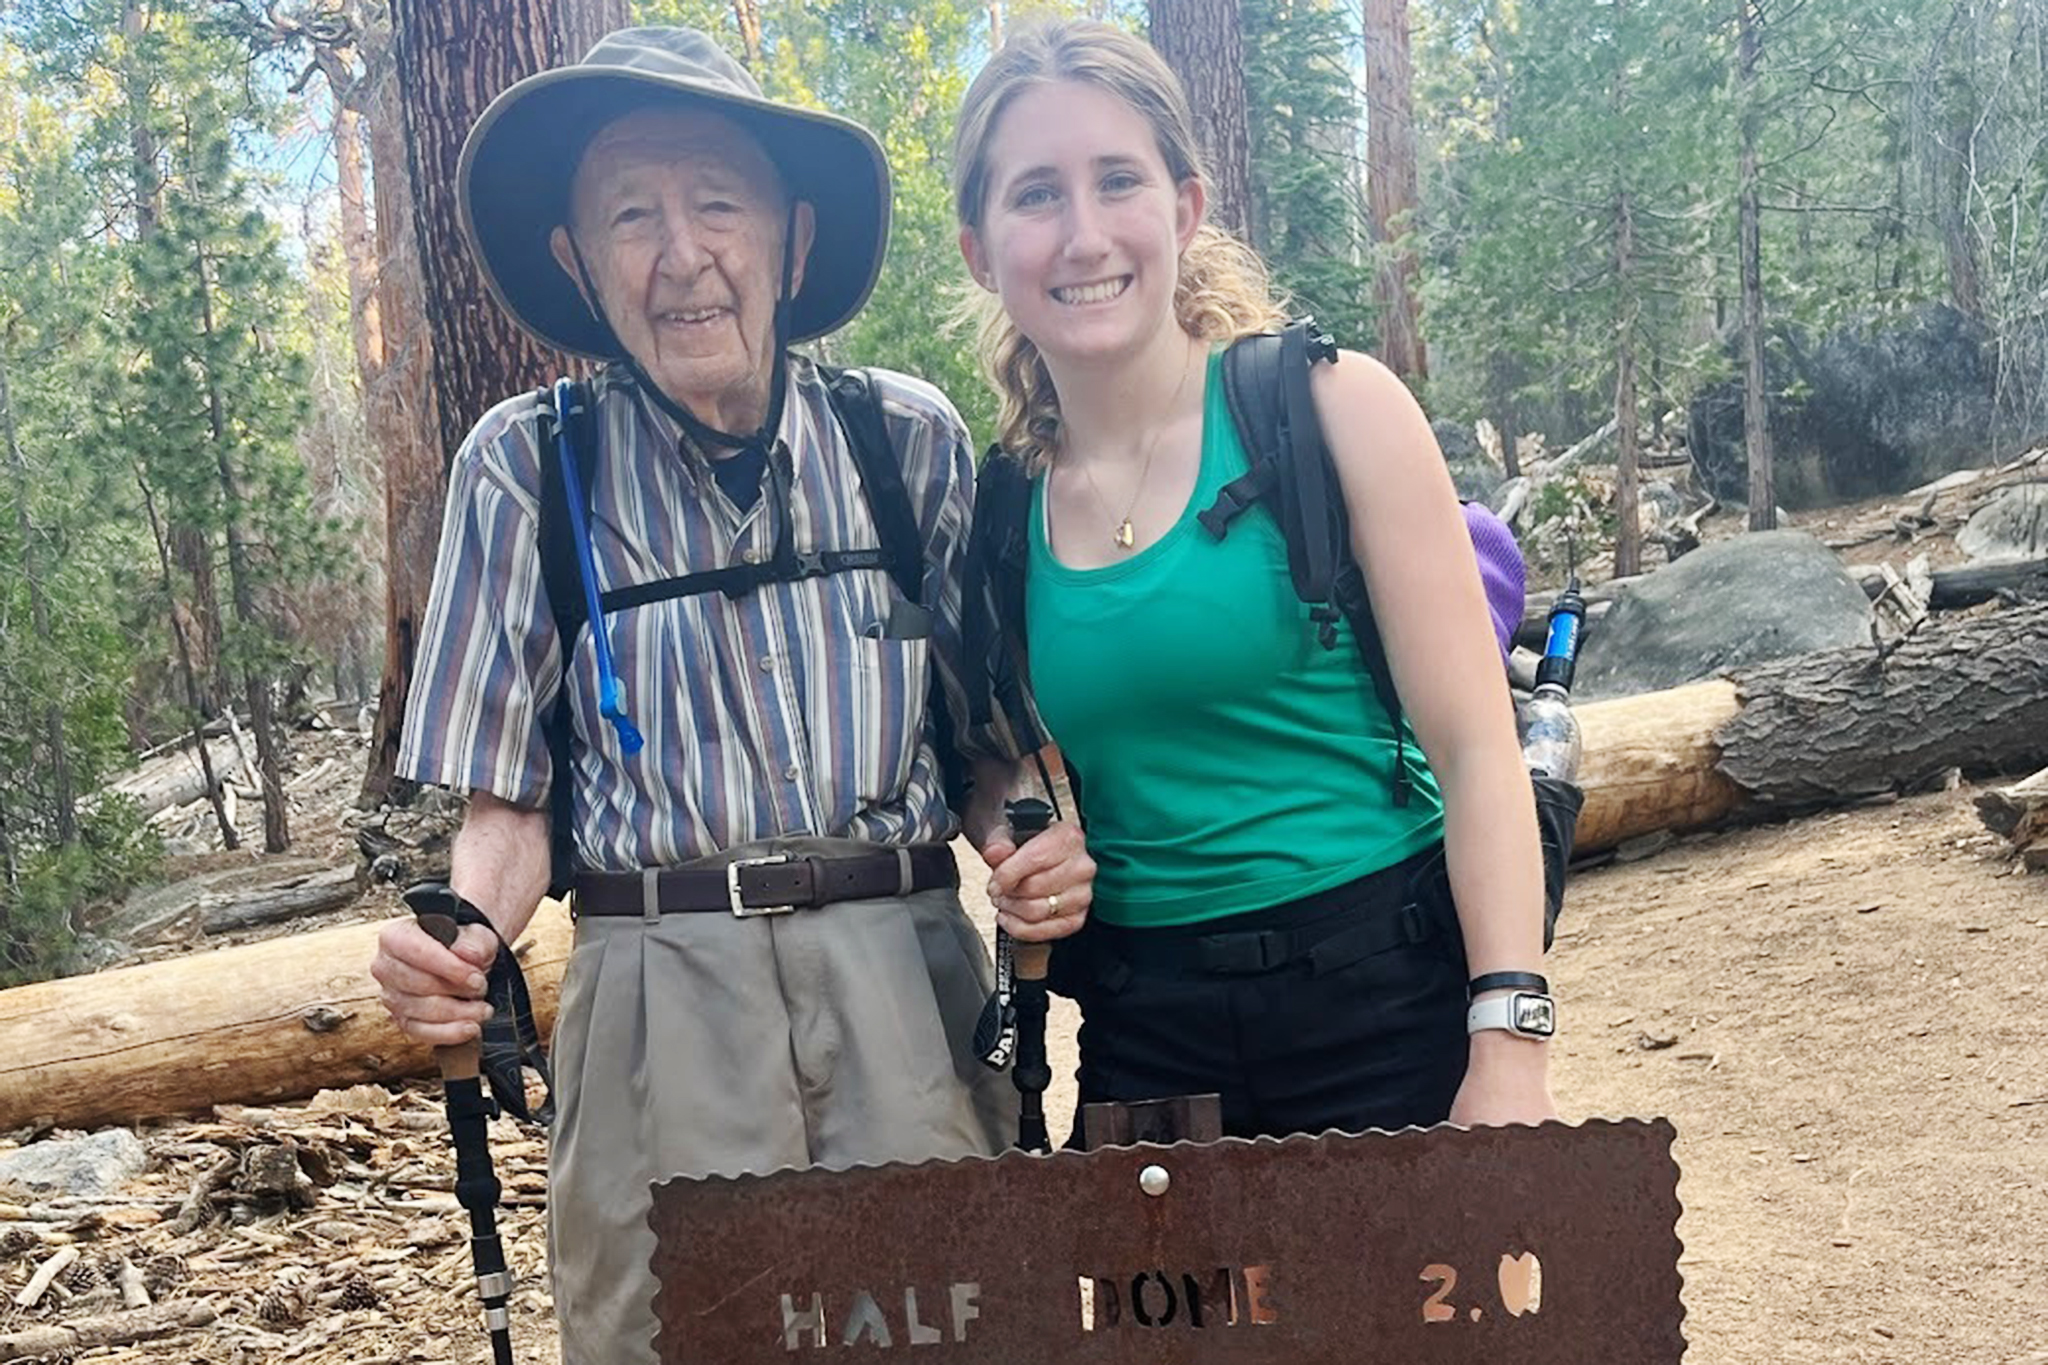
(901,552)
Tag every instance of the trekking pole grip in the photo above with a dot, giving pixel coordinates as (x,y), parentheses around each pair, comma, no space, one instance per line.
(457,1061)
(1028,816)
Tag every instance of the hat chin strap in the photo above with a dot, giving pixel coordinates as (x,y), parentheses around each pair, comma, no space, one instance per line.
(700,431)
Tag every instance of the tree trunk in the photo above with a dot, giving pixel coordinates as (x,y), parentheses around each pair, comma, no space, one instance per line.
(1756,425)
(450,352)
(1969,693)
(400,411)
(995,24)
(195,706)
(582,22)
(267,1021)
(1628,534)
(358,238)
(1500,386)
(1391,193)
(453,59)
(1203,41)
(747,14)
(241,581)
(63,804)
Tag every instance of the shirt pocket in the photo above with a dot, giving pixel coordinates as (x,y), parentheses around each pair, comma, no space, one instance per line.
(888,683)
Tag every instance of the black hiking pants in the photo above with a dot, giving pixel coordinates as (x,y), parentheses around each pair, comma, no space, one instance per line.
(1342,1010)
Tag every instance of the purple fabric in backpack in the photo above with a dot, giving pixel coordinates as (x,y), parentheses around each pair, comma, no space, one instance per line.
(1501,572)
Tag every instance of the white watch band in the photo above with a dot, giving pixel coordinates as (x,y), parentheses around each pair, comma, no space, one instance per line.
(1526,1014)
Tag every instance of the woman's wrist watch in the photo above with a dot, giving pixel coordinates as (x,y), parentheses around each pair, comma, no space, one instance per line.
(1526,1011)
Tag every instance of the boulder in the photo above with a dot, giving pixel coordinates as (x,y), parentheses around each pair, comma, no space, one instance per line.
(1865,413)
(95,1164)
(1735,602)
(2013,525)
(1475,476)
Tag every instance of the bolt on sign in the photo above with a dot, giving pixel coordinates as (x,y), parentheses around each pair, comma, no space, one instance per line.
(1553,1245)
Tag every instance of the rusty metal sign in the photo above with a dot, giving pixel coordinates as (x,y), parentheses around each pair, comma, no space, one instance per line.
(1554,1245)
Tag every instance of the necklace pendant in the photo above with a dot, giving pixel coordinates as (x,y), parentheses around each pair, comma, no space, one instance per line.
(1126,537)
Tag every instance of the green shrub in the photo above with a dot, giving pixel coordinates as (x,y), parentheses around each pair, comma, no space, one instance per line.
(116,851)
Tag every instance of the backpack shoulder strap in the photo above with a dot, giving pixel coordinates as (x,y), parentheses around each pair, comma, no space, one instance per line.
(859,410)
(1266,385)
(562,580)
(998,556)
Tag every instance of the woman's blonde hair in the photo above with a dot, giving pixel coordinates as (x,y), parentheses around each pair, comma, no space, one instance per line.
(1222,292)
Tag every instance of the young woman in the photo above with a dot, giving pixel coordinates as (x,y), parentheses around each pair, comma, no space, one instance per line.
(1264,922)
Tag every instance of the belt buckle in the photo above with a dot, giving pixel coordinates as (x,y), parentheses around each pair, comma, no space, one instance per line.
(741,910)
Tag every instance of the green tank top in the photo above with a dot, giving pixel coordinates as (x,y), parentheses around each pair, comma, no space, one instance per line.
(1229,762)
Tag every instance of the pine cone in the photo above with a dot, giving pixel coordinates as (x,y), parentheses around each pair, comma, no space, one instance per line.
(357,1292)
(83,1277)
(163,1272)
(283,1305)
(17,1242)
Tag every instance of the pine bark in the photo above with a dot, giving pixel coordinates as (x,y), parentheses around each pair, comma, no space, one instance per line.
(1392,196)
(400,410)
(1756,425)
(582,22)
(451,353)
(453,59)
(1969,693)
(747,14)
(1203,41)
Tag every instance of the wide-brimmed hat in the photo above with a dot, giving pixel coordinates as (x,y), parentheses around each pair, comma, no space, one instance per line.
(513,180)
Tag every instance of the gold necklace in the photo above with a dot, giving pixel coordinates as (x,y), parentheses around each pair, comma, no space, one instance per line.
(1124,534)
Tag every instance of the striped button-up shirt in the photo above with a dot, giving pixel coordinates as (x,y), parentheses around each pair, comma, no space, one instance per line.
(794,709)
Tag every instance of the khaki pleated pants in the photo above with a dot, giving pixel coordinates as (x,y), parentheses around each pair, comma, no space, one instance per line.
(703,1044)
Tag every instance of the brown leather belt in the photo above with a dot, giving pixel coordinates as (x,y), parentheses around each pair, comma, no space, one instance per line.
(772,885)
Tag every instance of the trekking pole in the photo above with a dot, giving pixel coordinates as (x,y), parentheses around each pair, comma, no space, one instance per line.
(1032,1074)
(470,1111)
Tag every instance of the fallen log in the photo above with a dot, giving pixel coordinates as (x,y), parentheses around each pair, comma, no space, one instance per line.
(327,890)
(60,1340)
(261,1022)
(1650,764)
(174,778)
(1832,726)
(2020,813)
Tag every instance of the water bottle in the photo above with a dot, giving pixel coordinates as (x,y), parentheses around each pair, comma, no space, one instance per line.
(1550,733)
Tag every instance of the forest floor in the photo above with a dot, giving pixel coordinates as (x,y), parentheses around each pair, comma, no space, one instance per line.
(1837,1015)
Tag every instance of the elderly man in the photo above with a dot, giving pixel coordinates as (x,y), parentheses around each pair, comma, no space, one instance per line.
(648,207)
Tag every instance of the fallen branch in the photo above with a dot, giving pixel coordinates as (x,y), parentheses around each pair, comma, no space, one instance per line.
(2020,813)
(111,1329)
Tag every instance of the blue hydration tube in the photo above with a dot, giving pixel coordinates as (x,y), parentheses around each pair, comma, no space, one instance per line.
(611,705)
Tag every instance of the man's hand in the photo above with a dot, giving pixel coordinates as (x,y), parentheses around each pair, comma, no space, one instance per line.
(1506,1081)
(434,992)
(1041,891)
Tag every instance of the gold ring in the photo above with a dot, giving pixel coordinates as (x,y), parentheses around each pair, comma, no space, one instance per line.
(1052,905)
